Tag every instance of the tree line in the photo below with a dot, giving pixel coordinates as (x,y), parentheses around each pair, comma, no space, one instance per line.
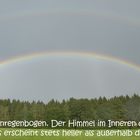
(116,108)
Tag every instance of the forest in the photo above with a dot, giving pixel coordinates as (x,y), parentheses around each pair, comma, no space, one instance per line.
(102,108)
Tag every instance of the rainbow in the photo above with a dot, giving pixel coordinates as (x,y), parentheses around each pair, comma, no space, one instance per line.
(91,55)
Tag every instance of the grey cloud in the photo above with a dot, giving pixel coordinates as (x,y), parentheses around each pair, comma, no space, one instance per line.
(62,78)
(111,28)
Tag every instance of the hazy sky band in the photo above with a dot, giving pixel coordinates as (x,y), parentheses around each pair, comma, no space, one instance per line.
(123,19)
(92,55)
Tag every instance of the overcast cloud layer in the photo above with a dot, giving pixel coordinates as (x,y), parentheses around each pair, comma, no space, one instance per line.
(106,27)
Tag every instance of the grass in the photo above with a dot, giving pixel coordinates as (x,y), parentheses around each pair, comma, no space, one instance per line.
(82,137)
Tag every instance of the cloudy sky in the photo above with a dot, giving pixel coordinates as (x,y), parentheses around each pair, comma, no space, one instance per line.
(105,27)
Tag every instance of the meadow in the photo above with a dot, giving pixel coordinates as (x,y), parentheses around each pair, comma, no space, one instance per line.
(82,137)
(69,138)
